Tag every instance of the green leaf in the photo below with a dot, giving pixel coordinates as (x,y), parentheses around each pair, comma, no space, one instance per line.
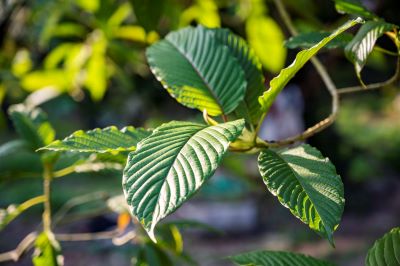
(274,258)
(266,38)
(32,125)
(353,7)
(386,250)
(151,254)
(250,107)
(47,251)
(171,165)
(306,183)
(148,12)
(309,39)
(358,50)
(279,82)
(12,211)
(109,139)
(204,12)
(198,71)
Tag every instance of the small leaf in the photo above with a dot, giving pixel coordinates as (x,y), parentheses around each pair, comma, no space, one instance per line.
(198,71)
(306,183)
(273,258)
(171,165)
(386,250)
(309,39)
(358,50)
(47,251)
(250,107)
(32,125)
(109,139)
(266,38)
(279,82)
(353,7)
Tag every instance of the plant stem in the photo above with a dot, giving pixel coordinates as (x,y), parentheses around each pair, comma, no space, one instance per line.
(47,177)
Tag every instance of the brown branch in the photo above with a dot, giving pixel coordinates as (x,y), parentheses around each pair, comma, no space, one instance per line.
(88,236)
(22,247)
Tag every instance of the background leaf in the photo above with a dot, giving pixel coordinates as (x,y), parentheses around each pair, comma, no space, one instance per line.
(309,39)
(361,46)
(353,7)
(273,258)
(279,82)
(109,139)
(386,250)
(32,125)
(47,251)
(198,71)
(266,38)
(148,12)
(306,183)
(171,165)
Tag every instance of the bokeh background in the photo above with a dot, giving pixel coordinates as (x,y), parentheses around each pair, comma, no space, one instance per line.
(83,62)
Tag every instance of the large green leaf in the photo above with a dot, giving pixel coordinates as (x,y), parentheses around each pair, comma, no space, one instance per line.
(279,82)
(171,165)
(47,251)
(386,250)
(306,183)
(250,107)
(361,46)
(32,125)
(309,39)
(353,7)
(109,139)
(266,38)
(198,71)
(276,258)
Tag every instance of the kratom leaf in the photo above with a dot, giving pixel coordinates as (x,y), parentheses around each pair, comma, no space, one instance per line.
(275,258)
(279,82)
(250,107)
(361,46)
(386,250)
(171,165)
(306,183)
(198,71)
(266,38)
(309,39)
(32,125)
(47,251)
(109,139)
(353,7)
(12,211)
(148,12)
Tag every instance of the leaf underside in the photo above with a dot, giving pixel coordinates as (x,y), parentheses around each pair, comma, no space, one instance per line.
(276,258)
(386,250)
(358,50)
(169,166)
(198,71)
(306,183)
(109,139)
(286,74)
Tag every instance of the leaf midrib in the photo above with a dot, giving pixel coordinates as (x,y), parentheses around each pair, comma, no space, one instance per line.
(198,73)
(174,160)
(302,185)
